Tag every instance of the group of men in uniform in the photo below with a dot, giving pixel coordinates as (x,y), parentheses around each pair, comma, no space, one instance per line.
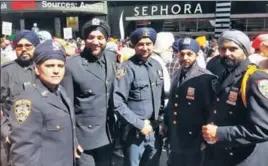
(60,111)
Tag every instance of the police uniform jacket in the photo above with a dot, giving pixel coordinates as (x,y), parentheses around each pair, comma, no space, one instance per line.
(12,76)
(89,84)
(139,91)
(43,127)
(242,132)
(189,104)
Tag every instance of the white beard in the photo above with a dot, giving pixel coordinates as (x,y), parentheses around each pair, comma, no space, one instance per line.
(167,56)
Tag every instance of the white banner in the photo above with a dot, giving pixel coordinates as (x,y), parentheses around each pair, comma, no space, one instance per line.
(6,28)
(67,33)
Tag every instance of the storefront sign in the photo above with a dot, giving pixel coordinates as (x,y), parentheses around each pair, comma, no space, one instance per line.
(168,9)
(72,6)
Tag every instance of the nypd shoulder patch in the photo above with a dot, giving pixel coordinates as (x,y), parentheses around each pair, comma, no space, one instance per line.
(22,109)
(263,88)
(120,73)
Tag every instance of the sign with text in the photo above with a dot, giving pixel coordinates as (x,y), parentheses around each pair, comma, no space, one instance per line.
(67,33)
(6,28)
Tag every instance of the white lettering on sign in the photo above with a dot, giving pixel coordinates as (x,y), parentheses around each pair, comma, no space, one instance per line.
(73,5)
(46,4)
(164,9)
(3,5)
(168,9)
(144,10)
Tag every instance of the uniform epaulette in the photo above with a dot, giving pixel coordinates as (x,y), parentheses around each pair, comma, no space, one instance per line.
(7,64)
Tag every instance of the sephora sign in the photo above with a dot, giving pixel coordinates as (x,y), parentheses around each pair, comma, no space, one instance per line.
(173,9)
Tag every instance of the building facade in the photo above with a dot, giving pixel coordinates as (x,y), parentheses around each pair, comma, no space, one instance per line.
(52,16)
(190,18)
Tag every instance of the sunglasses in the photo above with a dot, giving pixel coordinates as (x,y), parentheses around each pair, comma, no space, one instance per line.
(27,46)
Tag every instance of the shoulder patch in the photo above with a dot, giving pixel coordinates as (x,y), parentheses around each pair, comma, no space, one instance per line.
(22,109)
(120,73)
(263,87)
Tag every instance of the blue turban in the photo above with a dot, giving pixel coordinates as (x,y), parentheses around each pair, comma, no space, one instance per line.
(189,44)
(29,35)
(175,45)
(140,33)
(49,49)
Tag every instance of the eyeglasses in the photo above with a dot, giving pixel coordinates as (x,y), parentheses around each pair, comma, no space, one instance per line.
(27,46)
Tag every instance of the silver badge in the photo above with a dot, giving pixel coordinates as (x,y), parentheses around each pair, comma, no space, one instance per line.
(56,46)
(95,21)
(186,41)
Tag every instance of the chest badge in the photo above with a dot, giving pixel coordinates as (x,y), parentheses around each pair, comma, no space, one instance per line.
(22,109)
(232,98)
(120,73)
(190,93)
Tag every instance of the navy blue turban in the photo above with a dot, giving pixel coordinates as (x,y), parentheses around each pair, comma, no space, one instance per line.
(175,45)
(49,50)
(96,25)
(140,33)
(29,35)
(187,43)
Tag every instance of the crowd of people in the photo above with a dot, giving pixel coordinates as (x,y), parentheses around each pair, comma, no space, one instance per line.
(74,102)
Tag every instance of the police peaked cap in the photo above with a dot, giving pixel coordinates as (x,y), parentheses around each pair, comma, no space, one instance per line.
(96,24)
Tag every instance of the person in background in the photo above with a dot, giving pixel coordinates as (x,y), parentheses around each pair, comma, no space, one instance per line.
(174,64)
(43,36)
(258,55)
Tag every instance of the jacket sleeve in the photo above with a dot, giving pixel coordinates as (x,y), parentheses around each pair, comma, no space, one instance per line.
(256,128)
(25,136)
(121,92)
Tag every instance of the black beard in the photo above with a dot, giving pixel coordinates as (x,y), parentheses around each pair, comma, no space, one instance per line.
(228,63)
(24,63)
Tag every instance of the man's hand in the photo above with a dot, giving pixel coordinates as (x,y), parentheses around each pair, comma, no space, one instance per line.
(210,133)
(78,151)
(147,129)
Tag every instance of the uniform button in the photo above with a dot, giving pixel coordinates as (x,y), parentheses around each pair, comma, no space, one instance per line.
(218,99)
(174,122)
(58,127)
(89,126)
(177,96)
(90,91)
(175,113)
(231,153)
(108,118)
(226,148)
(176,104)
(189,103)
(230,112)
(107,94)
(190,132)
(106,82)
(214,111)
(33,85)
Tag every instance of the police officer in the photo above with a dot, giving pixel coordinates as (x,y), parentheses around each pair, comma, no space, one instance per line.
(19,71)
(89,84)
(42,118)
(238,135)
(138,101)
(188,105)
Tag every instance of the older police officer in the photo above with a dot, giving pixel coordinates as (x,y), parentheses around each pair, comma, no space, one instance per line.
(17,72)
(138,100)
(188,105)
(238,135)
(89,84)
(42,117)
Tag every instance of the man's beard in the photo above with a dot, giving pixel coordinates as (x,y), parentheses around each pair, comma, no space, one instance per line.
(229,63)
(24,62)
